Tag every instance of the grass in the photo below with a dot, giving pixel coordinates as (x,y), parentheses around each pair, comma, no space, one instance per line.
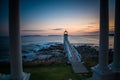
(52,72)
(56,71)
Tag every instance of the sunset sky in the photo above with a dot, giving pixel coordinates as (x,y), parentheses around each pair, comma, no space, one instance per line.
(52,17)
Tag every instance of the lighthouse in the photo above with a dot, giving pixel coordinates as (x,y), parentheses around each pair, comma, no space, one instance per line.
(65,35)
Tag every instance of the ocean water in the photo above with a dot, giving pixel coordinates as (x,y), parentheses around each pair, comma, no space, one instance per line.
(91,39)
(26,40)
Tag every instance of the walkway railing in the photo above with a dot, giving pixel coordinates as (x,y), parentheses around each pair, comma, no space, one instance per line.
(67,50)
(71,52)
(74,58)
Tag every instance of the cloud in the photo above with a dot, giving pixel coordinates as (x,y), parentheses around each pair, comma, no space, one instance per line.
(58,29)
(94,32)
(89,32)
(92,23)
(32,30)
(90,26)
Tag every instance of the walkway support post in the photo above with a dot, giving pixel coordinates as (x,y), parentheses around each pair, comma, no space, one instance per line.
(116,55)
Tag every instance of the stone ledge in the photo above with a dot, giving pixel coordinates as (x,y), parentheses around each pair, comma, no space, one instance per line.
(26,76)
(4,77)
(101,75)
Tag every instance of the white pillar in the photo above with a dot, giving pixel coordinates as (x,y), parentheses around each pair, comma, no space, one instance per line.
(15,40)
(104,28)
(116,55)
(101,71)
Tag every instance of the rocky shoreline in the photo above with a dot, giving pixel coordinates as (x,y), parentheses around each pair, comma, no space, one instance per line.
(50,53)
(47,53)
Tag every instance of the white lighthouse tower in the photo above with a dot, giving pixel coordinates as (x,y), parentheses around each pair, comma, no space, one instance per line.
(65,35)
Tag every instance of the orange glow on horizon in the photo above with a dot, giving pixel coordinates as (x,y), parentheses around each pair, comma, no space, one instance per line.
(72,29)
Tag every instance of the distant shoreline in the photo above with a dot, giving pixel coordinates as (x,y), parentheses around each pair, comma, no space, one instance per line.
(49,35)
(54,35)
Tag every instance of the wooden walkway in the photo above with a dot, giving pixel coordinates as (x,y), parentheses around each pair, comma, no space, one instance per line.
(77,66)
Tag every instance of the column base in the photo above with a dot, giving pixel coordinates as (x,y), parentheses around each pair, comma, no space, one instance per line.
(26,76)
(4,77)
(101,75)
(114,69)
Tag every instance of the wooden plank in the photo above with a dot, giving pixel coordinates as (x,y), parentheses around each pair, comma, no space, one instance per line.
(79,67)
